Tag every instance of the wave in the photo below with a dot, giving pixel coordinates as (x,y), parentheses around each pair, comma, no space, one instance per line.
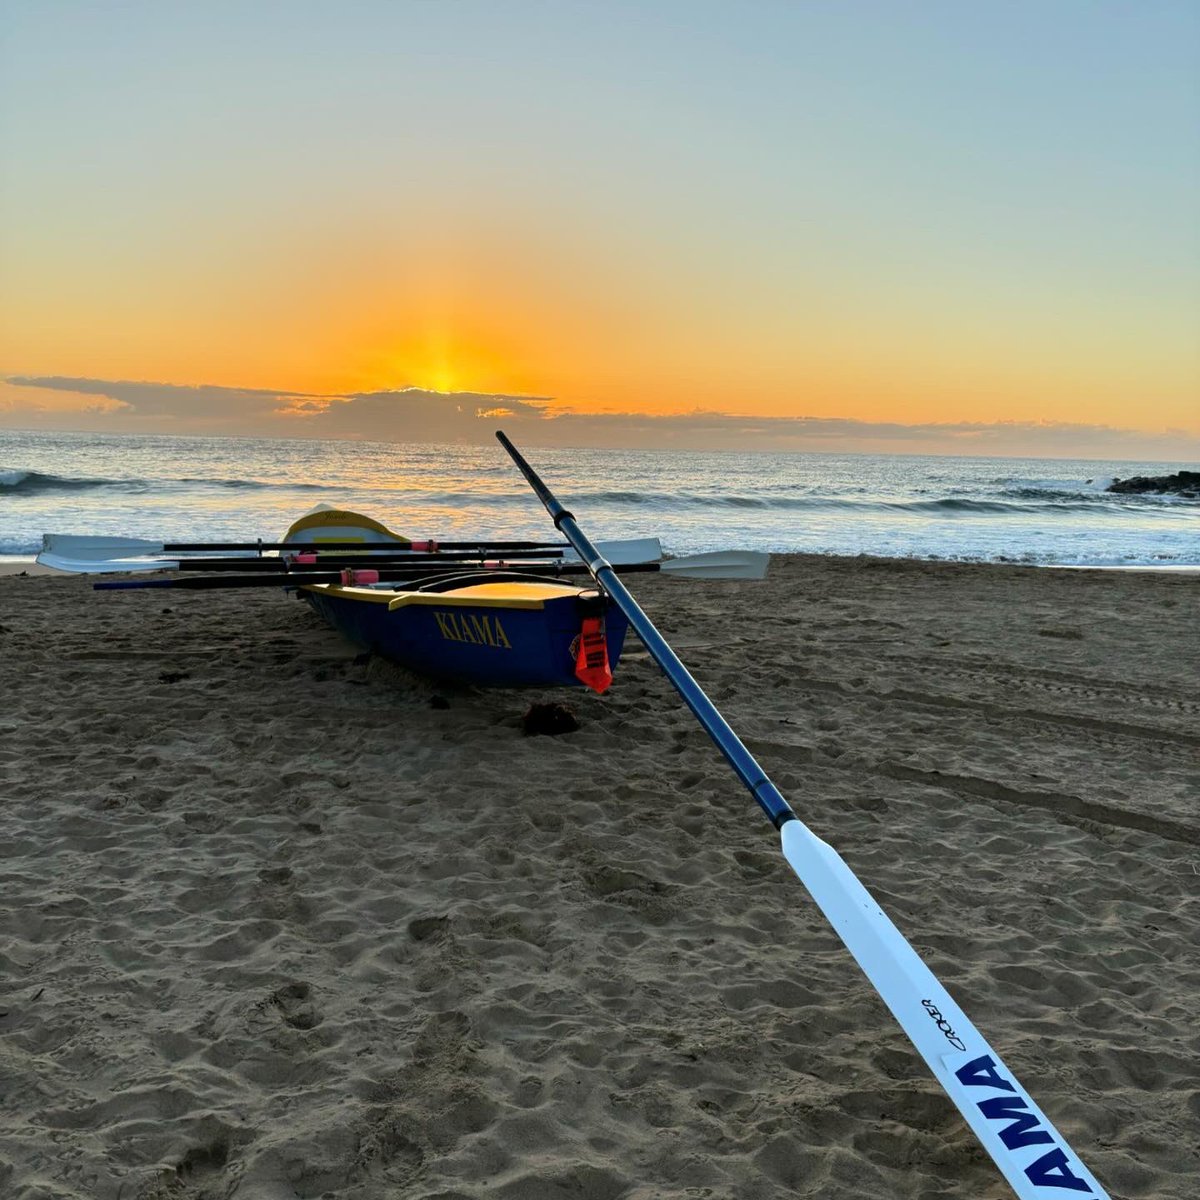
(17,482)
(1048,499)
(1055,487)
(1099,560)
(944,506)
(248,484)
(1089,492)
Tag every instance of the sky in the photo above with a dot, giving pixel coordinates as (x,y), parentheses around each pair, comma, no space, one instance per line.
(870,225)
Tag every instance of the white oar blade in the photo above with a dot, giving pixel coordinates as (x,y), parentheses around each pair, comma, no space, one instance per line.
(92,566)
(81,547)
(624,553)
(721,564)
(1030,1152)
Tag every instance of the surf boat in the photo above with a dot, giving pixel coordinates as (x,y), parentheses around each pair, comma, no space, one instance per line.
(497,630)
(490,631)
(488,613)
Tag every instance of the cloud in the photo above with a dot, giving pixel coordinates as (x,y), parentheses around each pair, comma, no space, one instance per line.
(718,431)
(415,415)
(405,414)
(167,408)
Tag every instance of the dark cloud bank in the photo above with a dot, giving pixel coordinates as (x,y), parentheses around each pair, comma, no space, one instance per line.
(414,415)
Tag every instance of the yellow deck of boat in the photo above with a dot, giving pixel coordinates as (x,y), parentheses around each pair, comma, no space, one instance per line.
(500,594)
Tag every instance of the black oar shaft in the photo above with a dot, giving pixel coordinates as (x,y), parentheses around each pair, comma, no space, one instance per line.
(326,560)
(479,545)
(715,725)
(201,583)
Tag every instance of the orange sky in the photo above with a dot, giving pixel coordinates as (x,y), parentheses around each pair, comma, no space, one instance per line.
(942,225)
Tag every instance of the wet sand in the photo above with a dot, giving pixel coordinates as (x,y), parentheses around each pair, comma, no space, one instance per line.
(276,927)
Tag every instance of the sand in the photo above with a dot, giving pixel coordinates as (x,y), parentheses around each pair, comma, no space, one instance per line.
(274,926)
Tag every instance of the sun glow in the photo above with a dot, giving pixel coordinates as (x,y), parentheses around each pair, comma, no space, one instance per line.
(429,373)
(444,379)
(440,373)
(468,355)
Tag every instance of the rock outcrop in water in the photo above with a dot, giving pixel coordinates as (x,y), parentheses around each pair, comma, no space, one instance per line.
(1182,483)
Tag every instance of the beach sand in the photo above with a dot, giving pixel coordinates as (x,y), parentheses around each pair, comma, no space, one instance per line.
(273,926)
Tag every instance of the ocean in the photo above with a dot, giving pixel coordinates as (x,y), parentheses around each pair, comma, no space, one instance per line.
(1037,511)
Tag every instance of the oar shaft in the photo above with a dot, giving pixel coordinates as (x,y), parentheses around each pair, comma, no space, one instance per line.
(302,576)
(374,559)
(204,583)
(728,742)
(480,545)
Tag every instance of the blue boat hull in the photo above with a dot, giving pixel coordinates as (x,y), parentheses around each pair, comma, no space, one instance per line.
(531,642)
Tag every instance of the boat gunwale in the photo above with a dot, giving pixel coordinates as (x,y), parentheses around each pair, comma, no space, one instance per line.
(455,599)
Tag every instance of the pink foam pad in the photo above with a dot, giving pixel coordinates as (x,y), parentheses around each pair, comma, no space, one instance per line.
(349,575)
(425,547)
(306,556)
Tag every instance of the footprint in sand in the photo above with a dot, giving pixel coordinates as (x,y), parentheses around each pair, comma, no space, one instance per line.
(295,1005)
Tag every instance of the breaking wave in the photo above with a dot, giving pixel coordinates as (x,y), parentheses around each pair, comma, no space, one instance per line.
(17,482)
(1048,498)
(1011,504)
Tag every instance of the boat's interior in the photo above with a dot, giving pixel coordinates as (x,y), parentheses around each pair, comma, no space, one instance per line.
(499,593)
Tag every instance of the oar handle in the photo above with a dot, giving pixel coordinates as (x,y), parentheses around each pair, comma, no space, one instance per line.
(739,758)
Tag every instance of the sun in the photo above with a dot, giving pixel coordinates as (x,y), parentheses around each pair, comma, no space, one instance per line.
(437,356)
(438,366)
(443,378)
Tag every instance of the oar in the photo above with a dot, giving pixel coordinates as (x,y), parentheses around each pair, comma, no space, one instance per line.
(87,557)
(723,564)
(720,564)
(1032,1155)
(328,561)
(87,547)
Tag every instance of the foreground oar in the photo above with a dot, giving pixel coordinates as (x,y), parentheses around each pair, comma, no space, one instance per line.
(1033,1156)
(722,564)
